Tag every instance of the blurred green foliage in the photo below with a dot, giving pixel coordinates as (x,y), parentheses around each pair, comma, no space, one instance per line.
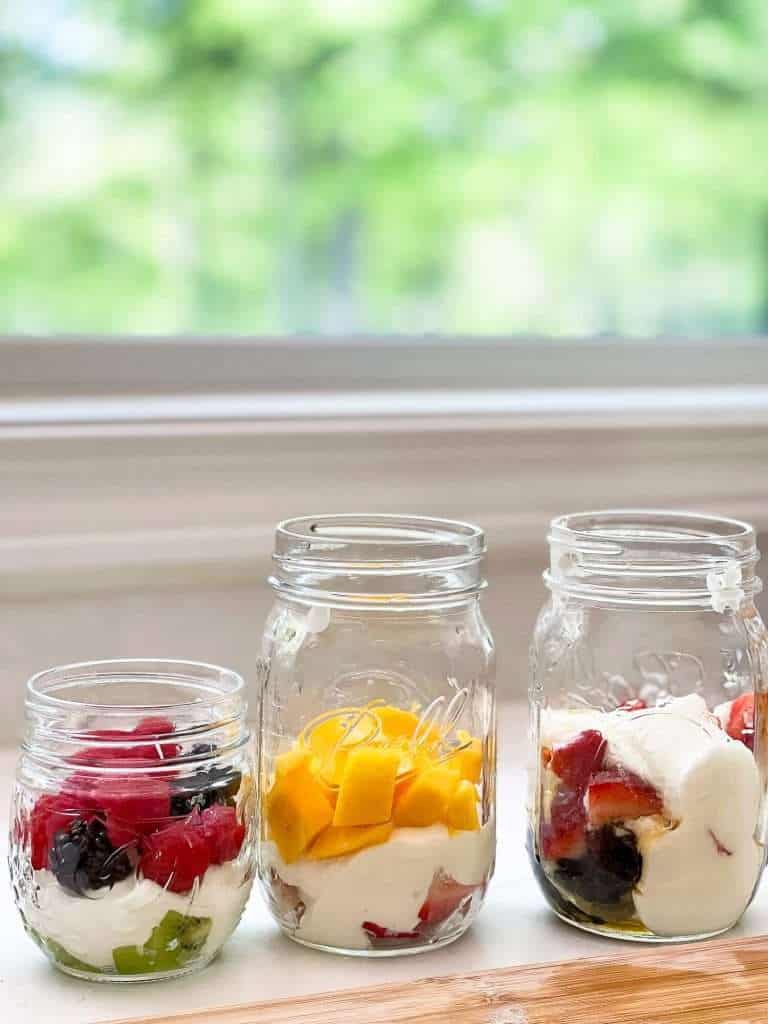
(268,166)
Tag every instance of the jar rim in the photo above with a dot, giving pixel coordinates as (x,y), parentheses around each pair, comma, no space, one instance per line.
(221,684)
(340,538)
(385,560)
(654,556)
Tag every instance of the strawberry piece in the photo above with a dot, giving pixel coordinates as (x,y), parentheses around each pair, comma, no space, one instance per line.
(575,761)
(564,835)
(51,813)
(445,896)
(175,856)
(618,795)
(377,931)
(223,832)
(133,806)
(632,705)
(741,720)
(156,726)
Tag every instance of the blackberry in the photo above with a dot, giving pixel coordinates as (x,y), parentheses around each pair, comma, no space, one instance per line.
(82,857)
(608,871)
(216,785)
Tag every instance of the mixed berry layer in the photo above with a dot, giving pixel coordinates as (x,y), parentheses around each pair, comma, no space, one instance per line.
(354,781)
(121,828)
(639,805)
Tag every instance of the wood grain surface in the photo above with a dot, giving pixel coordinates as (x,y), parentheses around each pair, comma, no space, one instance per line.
(723,982)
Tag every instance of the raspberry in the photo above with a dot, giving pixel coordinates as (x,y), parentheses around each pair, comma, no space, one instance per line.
(133,806)
(175,856)
(50,814)
(223,832)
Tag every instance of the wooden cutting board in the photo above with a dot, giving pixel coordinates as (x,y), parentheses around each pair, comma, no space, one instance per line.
(724,982)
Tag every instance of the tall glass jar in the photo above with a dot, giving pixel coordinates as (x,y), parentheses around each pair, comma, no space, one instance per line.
(133,827)
(648,688)
(377,767)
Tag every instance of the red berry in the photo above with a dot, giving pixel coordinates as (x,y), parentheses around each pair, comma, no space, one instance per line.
(156,726)
(575,761)
(618,795)
(175,856)
(564,835)
(445,896)
(51,813)
(632,705)
(377,931)
(741,720)
(133,806)
(223,832)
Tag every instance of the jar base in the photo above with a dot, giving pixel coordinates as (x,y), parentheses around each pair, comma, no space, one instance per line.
(129,979)
(372,954)
(609,932)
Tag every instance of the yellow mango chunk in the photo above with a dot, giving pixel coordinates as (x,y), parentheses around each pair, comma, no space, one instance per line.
(424,802)
(396,723)
(336,842)
(367,787)
(469,761)
(461,812)
(291,760)
(297,810)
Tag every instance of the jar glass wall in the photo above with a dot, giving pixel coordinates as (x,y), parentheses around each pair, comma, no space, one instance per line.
(649,669)
(377,766)
(133,832)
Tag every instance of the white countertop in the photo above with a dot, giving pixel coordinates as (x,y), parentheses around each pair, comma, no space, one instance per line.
(515,927)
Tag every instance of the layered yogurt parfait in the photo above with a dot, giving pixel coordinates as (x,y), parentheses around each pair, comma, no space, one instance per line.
(648,816)
(136,862)
(375,839)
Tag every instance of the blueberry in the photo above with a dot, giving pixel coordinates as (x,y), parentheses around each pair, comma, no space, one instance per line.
(608,871)
(82,857)
(216,785)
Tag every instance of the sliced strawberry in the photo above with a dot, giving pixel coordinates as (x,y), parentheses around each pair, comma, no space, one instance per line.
(741,720)
(445,896)
(564,835)
(51,813)
(618,795)
(575,761)
(223,832)
(632,705)
(377,931)
(175,856)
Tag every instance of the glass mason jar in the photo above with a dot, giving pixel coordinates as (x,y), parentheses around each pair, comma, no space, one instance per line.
(648,689)
(377,767)
(132,832)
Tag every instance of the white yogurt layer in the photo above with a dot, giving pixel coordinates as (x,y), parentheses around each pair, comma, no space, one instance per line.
(90,928)
(386,884)
(698,876)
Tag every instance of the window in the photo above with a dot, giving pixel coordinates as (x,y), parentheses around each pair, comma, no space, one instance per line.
(347,166)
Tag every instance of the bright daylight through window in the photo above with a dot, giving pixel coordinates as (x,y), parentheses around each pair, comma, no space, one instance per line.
(348,166)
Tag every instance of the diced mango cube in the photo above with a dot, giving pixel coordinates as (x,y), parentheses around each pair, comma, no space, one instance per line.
(336,842)
(297,810)
(291,760)
(396,723)
(469,761)
(461,812)
(367,787)
(424,802)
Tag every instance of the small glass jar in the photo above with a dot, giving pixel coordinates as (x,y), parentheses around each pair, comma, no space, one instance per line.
(649,674)
(378,734)
(132,832)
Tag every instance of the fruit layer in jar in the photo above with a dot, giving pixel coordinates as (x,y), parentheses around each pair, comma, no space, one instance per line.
(137,869)
(648,816)
(375,839)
